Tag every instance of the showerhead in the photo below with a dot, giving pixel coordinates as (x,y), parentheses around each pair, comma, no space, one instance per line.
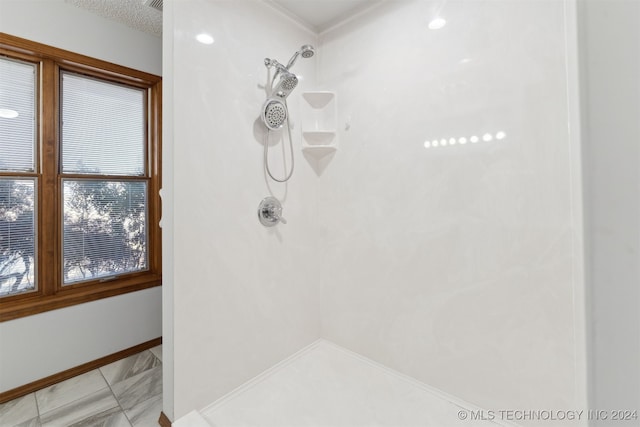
(288,82)
(274,114)
(306,51)
(274,110)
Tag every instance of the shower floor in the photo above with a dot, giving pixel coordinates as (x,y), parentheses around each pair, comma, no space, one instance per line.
(327,386)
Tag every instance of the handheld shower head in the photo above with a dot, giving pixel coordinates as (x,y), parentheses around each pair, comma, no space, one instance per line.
(274,113)
(288,82)
(306,51)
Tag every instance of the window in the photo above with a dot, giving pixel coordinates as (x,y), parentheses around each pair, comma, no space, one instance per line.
(79,178)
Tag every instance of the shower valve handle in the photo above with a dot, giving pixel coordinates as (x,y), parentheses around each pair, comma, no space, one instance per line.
(270,212)
(275,213)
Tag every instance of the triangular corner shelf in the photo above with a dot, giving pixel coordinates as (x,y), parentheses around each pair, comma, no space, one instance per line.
(319,156)
(319,151)
(318,99)
(318,137)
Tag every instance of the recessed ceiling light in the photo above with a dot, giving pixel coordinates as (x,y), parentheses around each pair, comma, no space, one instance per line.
(6,113)
(205,38)
(437,23)
(500,135)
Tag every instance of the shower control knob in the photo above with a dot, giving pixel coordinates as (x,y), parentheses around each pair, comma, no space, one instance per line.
(270,212)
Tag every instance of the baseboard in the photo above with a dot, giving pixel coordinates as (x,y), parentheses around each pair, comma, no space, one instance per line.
(164,421)
(70,373)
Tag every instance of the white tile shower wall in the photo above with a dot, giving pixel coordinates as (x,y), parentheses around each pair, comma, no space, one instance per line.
(453,263)
(244,295)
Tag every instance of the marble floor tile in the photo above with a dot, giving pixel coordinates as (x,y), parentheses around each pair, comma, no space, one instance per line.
(109,418)
(139,388)
(146,413)
(33,422)
(70,390)
(92,406)
(131,366)
(157,351)
(89,400)
(18,410)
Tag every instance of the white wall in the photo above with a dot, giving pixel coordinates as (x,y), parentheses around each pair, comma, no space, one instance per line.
(66,26)
(455,264)
(610,49)
(244,295)
(37,346)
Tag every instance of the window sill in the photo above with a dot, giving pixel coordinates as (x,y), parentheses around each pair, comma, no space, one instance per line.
(36,303)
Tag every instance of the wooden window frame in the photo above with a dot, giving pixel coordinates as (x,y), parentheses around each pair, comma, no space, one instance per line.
(50,293)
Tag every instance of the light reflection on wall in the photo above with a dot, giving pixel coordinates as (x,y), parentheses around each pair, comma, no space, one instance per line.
(474,139)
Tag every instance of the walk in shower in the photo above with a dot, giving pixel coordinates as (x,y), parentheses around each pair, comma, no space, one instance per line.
(432,263)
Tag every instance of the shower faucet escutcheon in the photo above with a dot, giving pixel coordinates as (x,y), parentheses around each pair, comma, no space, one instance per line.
(270,212)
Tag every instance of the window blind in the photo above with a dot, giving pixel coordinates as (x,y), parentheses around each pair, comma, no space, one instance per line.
(17,116)
(17,236)
(103,127)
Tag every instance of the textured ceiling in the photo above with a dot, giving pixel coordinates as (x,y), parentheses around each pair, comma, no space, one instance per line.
(129,12)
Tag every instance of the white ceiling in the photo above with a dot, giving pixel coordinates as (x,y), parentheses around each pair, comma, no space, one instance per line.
(322,14)
(315,14)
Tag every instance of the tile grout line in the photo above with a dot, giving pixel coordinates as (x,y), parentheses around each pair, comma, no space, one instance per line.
(68,403)
(114,394)
(116,398)
(75,400)
(152,397)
